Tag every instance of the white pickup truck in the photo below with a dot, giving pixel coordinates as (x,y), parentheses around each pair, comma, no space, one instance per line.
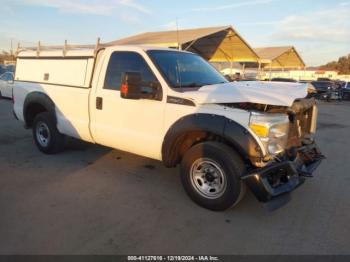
(172,106)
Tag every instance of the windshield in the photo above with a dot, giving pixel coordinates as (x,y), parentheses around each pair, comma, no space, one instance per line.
(184,70)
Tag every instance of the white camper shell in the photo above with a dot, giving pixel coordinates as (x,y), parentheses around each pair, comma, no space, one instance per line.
(47,66)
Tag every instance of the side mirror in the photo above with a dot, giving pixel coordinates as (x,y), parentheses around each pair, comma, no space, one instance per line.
(131,85)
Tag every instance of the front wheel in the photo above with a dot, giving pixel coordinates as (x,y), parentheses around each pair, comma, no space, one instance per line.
(210,174)
(46,136)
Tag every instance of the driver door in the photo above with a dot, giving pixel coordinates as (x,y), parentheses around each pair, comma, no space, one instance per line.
(132,125)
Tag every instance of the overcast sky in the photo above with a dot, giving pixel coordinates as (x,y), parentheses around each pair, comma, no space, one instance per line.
(320,30)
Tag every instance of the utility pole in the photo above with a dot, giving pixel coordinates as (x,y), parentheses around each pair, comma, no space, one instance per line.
(11,51)
(179,46)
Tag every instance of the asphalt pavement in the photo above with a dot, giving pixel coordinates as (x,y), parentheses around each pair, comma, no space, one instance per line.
(94,200)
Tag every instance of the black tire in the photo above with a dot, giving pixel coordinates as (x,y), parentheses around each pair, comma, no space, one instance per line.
(228,161)
(54,142)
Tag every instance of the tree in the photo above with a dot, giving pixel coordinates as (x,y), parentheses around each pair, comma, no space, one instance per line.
(342,65)
(6,56)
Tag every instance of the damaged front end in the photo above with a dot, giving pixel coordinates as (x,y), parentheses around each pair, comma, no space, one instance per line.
(285,174)
(297,156)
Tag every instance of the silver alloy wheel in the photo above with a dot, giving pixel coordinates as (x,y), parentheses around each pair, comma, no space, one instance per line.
(208,178)
(43,134)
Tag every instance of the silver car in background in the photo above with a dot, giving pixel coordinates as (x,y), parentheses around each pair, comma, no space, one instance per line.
(6,84)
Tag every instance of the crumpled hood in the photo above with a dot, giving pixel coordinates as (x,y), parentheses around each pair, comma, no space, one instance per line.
(270,93)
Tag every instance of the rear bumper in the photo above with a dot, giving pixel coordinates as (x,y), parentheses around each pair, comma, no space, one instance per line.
(279,178)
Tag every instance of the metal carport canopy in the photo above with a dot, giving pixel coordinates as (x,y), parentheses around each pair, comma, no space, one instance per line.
(215,44)
(280,57)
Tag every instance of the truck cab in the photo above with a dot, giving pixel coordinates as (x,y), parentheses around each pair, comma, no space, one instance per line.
(174,107)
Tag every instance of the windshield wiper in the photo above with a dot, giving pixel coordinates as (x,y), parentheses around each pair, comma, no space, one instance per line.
(189,85)
(197,85)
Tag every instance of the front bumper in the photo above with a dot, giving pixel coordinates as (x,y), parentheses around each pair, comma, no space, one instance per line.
(279,178)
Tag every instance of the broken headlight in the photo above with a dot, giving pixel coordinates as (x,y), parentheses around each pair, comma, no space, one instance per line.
(272,129)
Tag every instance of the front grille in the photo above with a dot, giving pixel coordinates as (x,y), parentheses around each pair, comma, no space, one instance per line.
(302,125)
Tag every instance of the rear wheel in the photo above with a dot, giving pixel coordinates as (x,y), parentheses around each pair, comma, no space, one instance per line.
(46,136)
(210,174)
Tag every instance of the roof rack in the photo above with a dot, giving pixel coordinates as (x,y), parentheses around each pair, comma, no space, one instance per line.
(66,47)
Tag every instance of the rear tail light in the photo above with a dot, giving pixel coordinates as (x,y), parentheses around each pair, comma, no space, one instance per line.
(124,89)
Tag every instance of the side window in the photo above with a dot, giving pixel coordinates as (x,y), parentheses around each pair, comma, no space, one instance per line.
(121,62)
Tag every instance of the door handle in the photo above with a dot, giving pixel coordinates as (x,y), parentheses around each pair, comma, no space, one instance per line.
(99,103)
